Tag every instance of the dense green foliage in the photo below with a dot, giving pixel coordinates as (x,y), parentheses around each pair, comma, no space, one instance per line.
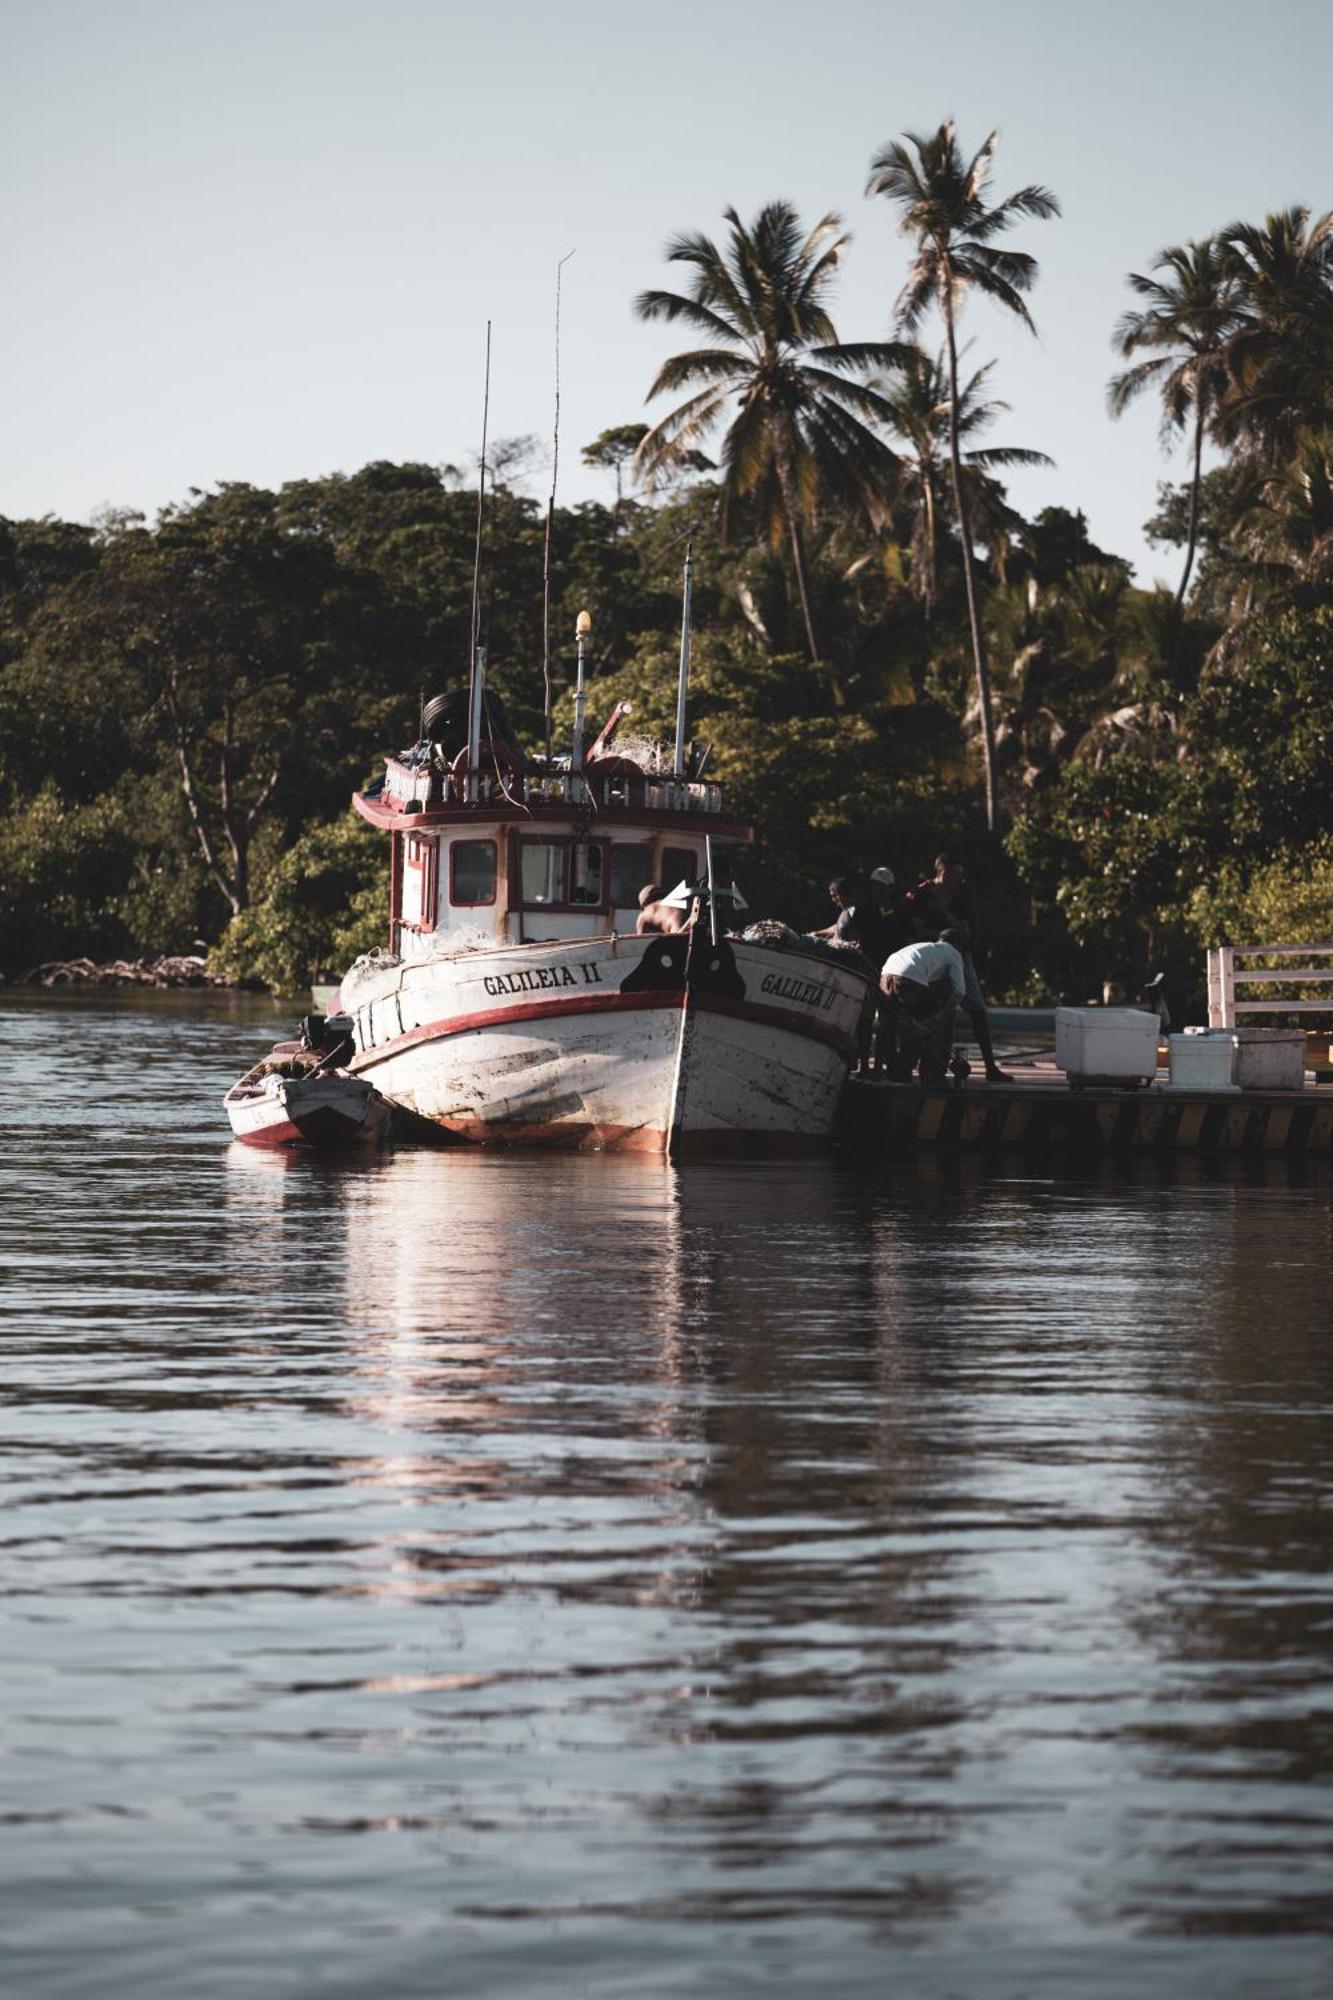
(186,706)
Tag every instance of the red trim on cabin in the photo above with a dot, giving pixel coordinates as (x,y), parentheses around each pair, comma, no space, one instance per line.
(604,1003)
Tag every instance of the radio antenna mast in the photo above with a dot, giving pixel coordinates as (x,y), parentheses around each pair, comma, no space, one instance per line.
(550,515)
(481,495)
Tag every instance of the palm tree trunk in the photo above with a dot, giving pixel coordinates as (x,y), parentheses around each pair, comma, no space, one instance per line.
(969,579)
(1192,534)
(928,498)
(803,591)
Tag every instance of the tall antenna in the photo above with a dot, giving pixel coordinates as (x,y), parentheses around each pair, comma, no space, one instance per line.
(481,495)
(682,689)
(550,515)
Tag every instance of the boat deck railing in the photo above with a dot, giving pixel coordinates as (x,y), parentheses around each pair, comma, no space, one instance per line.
(632,790)
(414,785)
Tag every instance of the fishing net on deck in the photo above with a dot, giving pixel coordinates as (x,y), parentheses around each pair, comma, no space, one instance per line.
(767,930)
(781,937)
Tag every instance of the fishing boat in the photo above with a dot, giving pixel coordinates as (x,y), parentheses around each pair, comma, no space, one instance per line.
(289,1099)
(516,1000)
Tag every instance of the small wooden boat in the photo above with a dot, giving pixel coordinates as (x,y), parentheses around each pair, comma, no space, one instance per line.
(292,1099)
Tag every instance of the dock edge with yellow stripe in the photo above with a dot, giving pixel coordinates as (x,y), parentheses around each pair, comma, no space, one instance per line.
(1051,1117)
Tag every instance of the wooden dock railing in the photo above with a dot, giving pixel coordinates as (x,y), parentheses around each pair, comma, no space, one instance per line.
(1225,975)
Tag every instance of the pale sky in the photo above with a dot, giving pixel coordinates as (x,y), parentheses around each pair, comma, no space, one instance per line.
(260,239)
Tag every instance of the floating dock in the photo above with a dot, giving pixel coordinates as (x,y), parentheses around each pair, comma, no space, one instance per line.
(1037,1111)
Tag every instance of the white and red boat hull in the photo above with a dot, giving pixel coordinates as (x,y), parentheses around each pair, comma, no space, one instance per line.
(328,1110)
(613,1042)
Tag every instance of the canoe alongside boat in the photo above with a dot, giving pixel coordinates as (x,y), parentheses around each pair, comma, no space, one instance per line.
(289,1100)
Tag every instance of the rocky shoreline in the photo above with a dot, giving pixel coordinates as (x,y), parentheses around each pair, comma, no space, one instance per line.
(164,972)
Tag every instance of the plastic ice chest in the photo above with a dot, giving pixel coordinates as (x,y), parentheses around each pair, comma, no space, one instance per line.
(1203,1061)
(1270,1058)
(1106,1044)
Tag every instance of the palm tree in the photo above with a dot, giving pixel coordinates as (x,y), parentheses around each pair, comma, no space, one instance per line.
(919,404)
(612,451)
(1285,528)
(1187,326)
(941,199)
(1281,350)
(1060,644)
(800,432)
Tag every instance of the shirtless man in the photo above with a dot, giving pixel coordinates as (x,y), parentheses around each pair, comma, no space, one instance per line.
(656,916)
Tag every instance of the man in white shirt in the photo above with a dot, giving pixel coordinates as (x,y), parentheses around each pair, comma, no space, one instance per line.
(922,985)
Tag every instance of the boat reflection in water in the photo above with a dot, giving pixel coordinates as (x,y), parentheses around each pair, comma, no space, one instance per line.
(467,1571)
(900,1561)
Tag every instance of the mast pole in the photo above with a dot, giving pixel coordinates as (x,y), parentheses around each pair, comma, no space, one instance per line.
(712,887)
(477,656)
(582,628)
(481,499)
(474,724)
(678,769)
(550,516)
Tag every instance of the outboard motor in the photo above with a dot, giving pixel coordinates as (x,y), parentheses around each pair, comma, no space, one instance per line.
(327,1036)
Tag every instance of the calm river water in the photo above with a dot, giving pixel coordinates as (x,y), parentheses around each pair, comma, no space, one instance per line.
(459,1574)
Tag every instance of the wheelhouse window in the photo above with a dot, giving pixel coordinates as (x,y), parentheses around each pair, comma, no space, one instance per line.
(420,861)
(562,874)
(541,872)
(586,858)
(472,869)
(679,864)
(630,871)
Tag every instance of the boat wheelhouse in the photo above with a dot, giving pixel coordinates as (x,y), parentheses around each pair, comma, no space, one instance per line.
(511,850)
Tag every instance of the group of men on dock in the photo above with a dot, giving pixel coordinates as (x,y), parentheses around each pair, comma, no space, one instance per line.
(921,941)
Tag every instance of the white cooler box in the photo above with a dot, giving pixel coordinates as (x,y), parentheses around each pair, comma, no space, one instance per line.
(1202,1061)
(1106,1044)
(1270,1058)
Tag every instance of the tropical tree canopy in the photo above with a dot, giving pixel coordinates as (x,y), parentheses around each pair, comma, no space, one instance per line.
(1185,333)
(801,427)
(801,413)
(941,200)
(185,704)
(916,393)
(1281,352)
